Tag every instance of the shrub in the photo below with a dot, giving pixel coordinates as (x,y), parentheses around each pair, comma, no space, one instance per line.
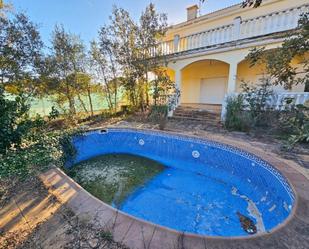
(256,101)
(14,120)
(54,113)
(236,118)
(158,114)
(38,151)
(294,122)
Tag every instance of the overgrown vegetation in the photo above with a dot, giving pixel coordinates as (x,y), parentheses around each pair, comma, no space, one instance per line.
(117,66)
(250,110)
(278,61)
(236,118)
(26,143)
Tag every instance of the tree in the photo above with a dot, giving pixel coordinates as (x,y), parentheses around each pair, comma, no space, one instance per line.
(84,87)
(151,31)
(278,61)
(131,50)
(137,49)
(162,87)
(251,3)
(121,37)
(65,62)
(104,57)
(4,8)
(246,3)
(20,50)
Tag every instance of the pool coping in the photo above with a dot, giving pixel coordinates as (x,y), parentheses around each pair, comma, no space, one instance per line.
(148,235)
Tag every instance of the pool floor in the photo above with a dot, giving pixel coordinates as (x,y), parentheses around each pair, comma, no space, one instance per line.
(189,202)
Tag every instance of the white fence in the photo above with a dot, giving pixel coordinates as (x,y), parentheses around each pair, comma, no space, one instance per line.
(278,101)
(240,29)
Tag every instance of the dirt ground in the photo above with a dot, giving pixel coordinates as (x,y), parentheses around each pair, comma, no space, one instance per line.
(31,217)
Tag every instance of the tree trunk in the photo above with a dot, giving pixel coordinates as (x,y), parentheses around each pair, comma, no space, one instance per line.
(72,105)
(82,103)
(90,101)
(70,99)
(147,90)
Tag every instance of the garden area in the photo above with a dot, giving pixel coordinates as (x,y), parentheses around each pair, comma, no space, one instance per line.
(107,84)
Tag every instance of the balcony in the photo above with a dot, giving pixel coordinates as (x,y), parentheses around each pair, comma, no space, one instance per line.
(238,30)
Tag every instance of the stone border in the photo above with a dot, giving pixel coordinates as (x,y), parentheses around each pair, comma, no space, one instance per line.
(140,234)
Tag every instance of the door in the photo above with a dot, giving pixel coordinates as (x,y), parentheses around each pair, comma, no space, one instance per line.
(212,90)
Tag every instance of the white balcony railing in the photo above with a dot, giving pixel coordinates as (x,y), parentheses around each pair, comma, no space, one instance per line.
(240,29)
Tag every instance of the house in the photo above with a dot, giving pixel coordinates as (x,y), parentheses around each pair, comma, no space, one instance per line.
(206,55)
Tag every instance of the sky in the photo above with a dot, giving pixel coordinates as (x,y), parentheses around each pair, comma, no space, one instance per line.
(85,17)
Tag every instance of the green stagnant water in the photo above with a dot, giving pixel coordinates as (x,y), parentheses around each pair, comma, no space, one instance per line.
(112,178)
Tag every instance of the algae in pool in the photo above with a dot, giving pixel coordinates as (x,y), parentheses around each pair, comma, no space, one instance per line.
(113,177)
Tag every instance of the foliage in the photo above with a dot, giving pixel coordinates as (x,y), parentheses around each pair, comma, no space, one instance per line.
(236,118)
(38,151)
(256,100)
(64,73)
(158,111)
(54,114)
(67,53)
(131,49)
(20,49)
(14,121)
(162,87)
(251,3)
(294,121)
(104,67)
(250,108)
(158,114)
(25,143)
(278,61)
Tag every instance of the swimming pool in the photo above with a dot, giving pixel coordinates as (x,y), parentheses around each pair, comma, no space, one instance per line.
(207,188)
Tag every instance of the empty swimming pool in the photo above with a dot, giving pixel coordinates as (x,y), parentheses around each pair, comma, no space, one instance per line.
(206,188)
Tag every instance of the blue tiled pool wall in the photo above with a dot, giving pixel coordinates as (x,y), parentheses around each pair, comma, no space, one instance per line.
(250,175)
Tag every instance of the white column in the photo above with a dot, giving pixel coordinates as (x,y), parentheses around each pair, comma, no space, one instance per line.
(178,81)
(231,87)
(178,78)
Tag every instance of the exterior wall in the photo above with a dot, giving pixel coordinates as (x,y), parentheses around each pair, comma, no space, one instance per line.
(190,66)
(253,75)
(193,74)
(170,73)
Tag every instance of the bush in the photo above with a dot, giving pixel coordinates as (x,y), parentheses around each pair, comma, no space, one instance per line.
(14,121)
(256,101)
(236,118)
(294,122)
(158,114)
(38,151)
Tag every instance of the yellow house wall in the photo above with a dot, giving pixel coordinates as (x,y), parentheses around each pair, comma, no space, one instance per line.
(170,73)
(194,73)
(226,17)
(253,75)
(193,69)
